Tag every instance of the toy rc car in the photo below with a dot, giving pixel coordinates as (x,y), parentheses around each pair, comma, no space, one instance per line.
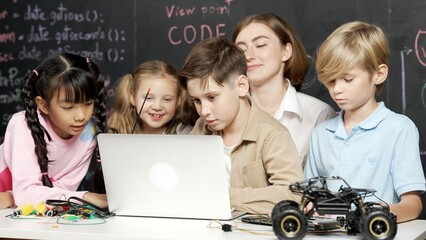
(333,196)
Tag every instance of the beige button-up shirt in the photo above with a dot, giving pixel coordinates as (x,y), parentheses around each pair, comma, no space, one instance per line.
(263,164)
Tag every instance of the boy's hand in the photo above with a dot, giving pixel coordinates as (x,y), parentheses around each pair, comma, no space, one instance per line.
(308,208)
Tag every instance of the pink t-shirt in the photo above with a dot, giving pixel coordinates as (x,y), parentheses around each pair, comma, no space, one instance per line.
(70,160)
(5,176)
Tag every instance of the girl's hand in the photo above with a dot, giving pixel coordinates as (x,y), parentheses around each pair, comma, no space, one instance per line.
(6,200)
(99,200)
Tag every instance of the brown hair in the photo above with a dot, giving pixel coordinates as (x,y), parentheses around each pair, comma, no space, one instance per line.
(218,58)
(297,65)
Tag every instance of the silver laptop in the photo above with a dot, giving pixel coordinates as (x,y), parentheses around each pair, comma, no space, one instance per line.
(178,176)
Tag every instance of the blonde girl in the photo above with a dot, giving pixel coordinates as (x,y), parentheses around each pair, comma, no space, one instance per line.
(165,109)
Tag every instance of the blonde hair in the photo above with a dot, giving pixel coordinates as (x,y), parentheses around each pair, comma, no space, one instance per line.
(352,44)
(124,117)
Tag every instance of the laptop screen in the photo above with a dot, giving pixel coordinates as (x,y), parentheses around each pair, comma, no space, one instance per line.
(179,176)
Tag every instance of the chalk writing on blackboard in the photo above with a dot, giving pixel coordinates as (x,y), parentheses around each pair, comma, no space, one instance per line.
(403,81)
(190,33)
(419,45)
(63,27)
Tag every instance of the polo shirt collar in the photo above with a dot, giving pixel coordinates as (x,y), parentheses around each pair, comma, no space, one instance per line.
(375,118)
(289,103)
(336,125)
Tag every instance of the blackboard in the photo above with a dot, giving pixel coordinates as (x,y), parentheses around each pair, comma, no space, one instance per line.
(119,35)
(33,30)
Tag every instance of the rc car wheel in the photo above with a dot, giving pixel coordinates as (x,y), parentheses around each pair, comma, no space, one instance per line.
(284,203)
(288,222)
(378,225)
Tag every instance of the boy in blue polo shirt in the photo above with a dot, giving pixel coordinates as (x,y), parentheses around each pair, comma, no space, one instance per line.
(367,144)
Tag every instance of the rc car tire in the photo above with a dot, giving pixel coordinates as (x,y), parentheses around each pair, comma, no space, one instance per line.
(288,222)
(378,225)
(284,203)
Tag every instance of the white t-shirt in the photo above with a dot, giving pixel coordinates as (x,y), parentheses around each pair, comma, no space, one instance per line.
(300,113)
(228,151)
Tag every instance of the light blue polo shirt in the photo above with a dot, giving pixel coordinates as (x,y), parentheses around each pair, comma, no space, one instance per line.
(381,153)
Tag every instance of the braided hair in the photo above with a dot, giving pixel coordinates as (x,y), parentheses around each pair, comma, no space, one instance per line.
(79,78)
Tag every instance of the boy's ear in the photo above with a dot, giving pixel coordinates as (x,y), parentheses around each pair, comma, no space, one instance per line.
(287,51)
(242,85)
(42,105)
(381,74)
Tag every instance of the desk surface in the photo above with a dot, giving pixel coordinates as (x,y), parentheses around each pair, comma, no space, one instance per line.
(162,228)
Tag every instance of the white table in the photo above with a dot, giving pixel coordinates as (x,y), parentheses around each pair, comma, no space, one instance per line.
(124,228)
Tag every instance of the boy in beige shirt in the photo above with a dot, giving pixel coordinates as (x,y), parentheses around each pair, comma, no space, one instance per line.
(263,159)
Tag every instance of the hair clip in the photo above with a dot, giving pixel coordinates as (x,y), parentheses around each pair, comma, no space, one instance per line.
(35,72)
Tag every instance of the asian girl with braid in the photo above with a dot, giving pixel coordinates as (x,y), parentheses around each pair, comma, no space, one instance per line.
(49,145)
